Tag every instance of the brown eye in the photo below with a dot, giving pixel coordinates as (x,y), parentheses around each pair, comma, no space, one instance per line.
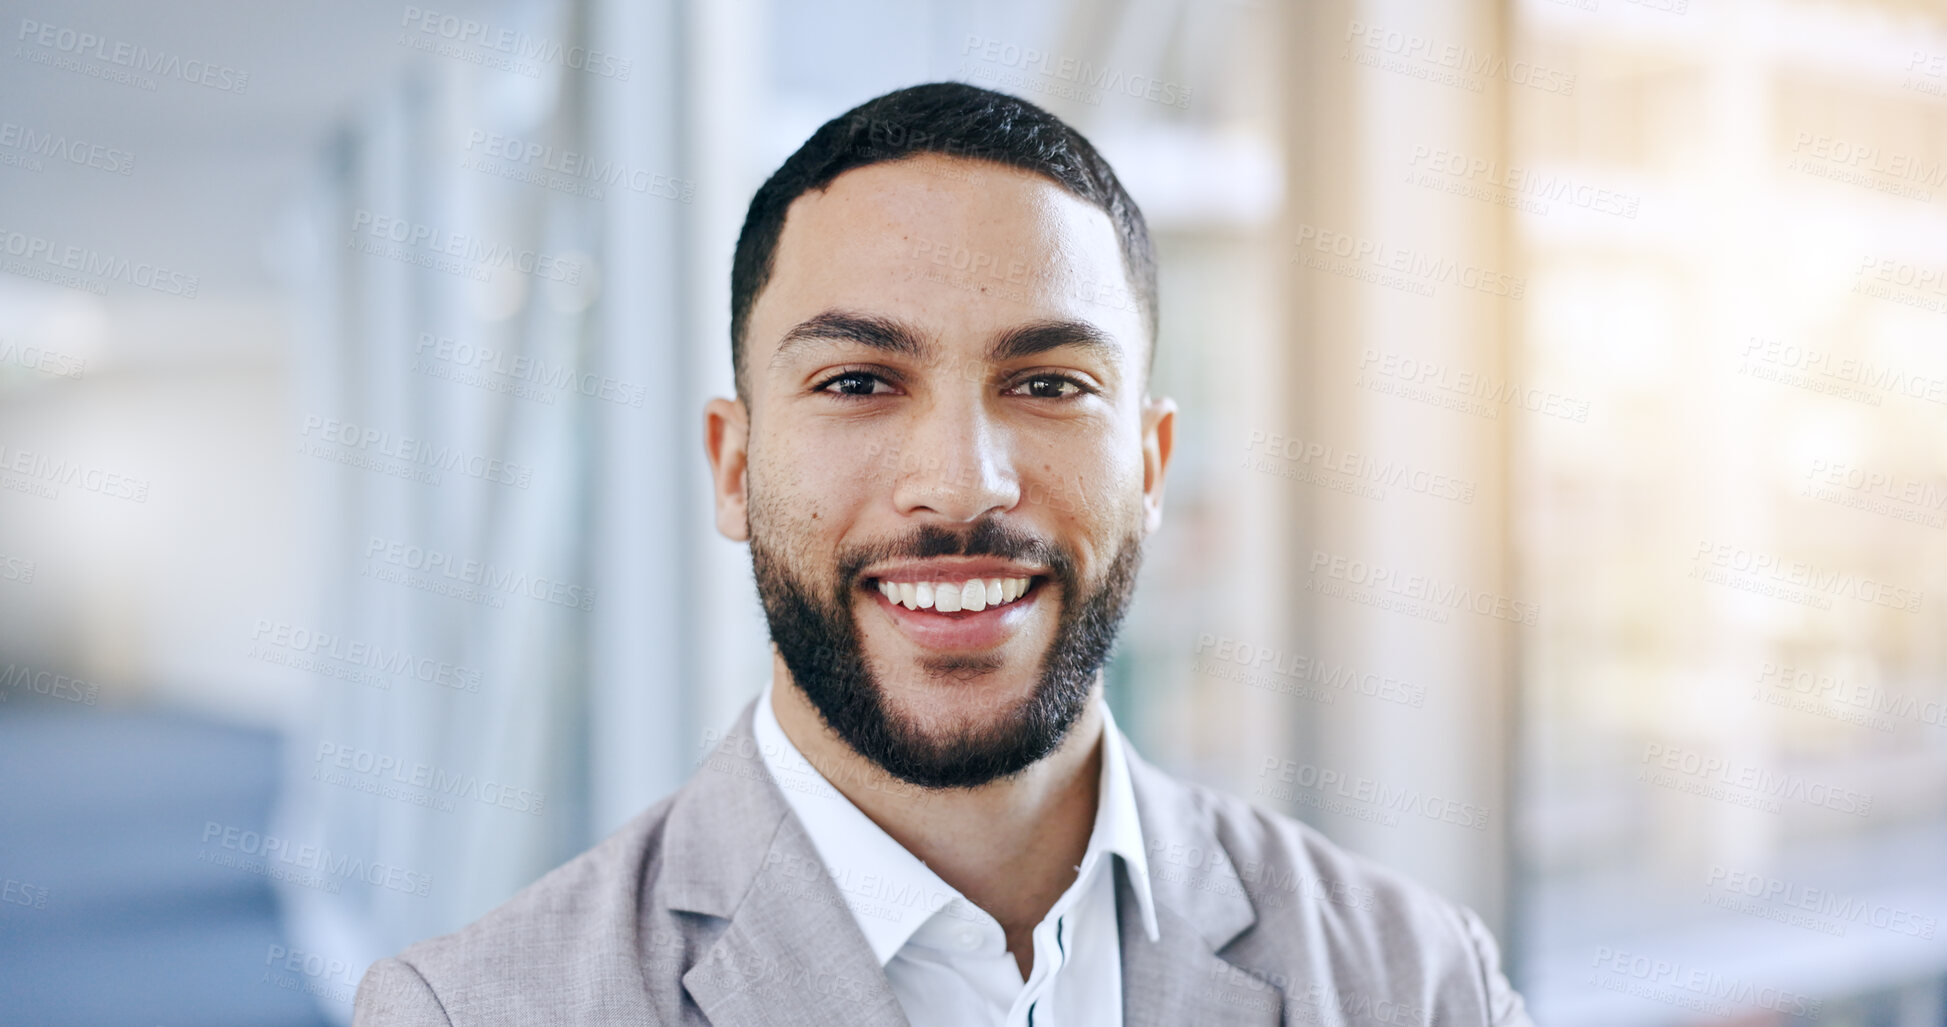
(1050,386)
(853,383)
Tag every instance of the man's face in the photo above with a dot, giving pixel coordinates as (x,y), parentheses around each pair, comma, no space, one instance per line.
(947,463)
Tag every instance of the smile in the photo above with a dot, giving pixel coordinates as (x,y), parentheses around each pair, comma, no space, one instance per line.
(958,603)
(948,596)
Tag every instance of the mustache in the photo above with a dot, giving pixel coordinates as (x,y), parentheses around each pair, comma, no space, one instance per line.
(988,537)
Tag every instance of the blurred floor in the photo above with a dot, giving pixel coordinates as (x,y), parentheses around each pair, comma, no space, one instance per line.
(107,913)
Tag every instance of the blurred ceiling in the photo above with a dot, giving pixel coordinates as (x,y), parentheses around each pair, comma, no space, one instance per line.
(213,169)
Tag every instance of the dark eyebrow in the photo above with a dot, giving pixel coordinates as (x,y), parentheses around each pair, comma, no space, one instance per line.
(1042,336)
(880,333)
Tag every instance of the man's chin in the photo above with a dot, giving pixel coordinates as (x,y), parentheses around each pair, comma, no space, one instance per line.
(942,745)
(952,719)
(961,668)
(936,691)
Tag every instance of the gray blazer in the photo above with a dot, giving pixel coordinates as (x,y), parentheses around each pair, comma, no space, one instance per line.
(712,907)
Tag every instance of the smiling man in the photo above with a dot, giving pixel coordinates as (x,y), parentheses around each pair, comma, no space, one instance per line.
(945,459)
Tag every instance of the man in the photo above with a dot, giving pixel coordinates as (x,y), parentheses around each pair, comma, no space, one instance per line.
(944,458)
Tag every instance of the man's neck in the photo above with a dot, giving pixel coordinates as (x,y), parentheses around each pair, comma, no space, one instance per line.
(1010,846)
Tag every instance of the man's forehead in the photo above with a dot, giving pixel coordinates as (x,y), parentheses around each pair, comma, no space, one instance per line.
(970,248)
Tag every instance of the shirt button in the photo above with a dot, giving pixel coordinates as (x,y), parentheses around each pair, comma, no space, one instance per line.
(969,939)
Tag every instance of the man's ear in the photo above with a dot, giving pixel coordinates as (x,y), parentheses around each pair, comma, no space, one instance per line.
(1159,440)
(726,444)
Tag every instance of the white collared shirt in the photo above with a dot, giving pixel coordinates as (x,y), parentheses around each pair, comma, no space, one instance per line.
(947,959)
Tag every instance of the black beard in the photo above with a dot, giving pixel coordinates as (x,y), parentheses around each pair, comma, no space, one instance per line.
(816,632)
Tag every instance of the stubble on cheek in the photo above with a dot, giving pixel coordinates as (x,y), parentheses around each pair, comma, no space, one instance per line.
(785,513)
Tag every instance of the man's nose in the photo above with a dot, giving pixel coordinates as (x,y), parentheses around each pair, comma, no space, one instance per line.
(962,464)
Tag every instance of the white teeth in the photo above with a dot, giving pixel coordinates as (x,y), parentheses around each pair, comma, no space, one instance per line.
(972,595)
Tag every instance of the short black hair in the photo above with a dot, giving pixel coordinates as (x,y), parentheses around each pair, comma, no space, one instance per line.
(953,119)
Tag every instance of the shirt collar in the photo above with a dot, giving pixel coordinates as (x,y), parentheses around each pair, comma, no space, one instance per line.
(1118,828)
(889,891)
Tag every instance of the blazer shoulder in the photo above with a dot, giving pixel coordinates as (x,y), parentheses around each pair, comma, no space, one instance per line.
(1377,936)
(536,951)
(393,994)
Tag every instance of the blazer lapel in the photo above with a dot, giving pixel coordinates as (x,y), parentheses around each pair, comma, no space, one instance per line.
(792,952)
(1201,907)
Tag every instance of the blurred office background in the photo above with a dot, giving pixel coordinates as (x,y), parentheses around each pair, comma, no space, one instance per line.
(1559,512)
